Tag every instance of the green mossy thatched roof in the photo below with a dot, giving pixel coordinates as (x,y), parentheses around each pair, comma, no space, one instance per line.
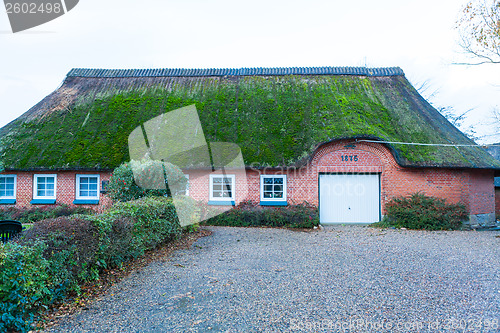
(278,117)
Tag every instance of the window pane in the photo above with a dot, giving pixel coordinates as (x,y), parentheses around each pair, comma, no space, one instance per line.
(222,187)
(278,180)
(45,186)
(89,186)
(7,186)
(273,187)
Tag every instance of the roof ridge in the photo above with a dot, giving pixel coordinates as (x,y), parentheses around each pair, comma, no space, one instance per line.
(252,71)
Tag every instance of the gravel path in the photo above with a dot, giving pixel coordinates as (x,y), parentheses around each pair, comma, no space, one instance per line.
(341,279)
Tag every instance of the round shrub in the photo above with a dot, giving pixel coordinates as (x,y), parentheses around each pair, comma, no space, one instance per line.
(136,179)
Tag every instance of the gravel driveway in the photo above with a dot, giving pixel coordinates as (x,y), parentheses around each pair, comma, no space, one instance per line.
(341,279)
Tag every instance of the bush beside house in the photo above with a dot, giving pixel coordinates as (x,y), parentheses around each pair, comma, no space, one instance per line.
(250,214)
(34,213)
(136,179)
(58,255)
(419,211)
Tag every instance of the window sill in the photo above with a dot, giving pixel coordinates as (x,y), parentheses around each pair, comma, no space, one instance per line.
(43,201)
(273,203)
(221,203)
(7,201)
(85,202)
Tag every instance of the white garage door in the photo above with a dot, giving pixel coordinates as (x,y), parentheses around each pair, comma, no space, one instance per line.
(349,198)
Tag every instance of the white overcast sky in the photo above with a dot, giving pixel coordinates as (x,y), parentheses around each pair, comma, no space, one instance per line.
(418,36)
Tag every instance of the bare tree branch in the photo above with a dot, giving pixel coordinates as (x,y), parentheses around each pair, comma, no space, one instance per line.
(479,28)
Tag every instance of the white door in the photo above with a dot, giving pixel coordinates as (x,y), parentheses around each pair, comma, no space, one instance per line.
(349,198)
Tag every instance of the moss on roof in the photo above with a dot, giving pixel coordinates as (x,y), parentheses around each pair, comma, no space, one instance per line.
(276,120)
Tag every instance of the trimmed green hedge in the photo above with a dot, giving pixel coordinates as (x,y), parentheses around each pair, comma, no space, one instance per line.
(419,211)
(34,214)
(249,214)
(58,255)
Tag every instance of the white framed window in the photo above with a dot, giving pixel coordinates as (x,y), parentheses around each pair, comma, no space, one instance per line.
(87,187)
(222,187)
(8,184)
(44,186)
(187,185)
(272,188)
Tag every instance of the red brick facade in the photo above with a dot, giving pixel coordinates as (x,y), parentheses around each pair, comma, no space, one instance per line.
(65,188)
(473,188)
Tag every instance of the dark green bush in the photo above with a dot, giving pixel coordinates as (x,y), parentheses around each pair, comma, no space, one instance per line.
(57,255)
(34,214)
(25,285)
(419,211)
(139,225)
(249,214)
(148,181)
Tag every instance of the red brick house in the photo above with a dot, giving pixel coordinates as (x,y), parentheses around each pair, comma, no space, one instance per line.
(345,139)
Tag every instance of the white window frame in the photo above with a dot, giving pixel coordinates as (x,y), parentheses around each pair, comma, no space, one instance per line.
(233,187)
(77,194)
(15,186)
(262,188)
(187,184)
(35,186)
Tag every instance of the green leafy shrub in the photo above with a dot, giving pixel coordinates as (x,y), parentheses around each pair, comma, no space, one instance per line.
(72,244)
(149,222)
(149,180)
(57,255)
(249,214)
(35,214)
(25,285)
(419,211)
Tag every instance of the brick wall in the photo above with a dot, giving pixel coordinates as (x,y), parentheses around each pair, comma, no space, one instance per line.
(473,188)
(65,188)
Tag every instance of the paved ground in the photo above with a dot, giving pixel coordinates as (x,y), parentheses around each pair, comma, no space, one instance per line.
(342,279)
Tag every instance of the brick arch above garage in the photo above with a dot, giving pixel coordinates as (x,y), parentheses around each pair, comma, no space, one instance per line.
(353,156)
